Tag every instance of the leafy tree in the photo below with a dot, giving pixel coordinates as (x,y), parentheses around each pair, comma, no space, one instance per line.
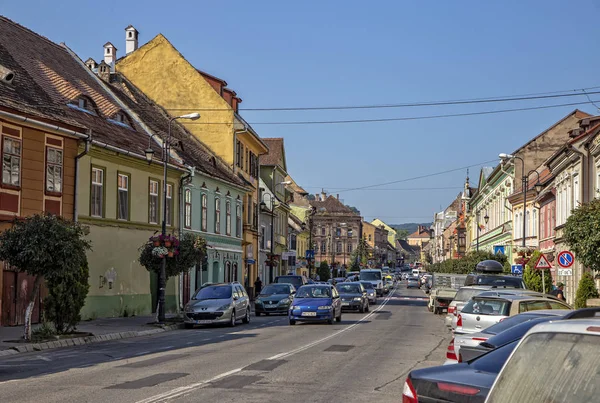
(582,234)
(402,234)
(586,290)
(533,277)
(51,248)
(468,263)
(323,271)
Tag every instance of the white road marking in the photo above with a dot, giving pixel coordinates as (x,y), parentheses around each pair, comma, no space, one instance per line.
(184,390)
(142,353)
(41,357)
(165,347)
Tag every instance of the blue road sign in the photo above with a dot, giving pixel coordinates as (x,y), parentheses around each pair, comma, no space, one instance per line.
(498,249)
(310,254)
(516,269)
(565,259)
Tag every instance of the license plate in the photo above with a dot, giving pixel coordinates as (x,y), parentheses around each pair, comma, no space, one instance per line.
(203,322)
(309,314)
(270,305)
(345,303)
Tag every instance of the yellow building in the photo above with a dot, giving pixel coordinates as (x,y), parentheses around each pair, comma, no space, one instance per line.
(166,77)
(391,232)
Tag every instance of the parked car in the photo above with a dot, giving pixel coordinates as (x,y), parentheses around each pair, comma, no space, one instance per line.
(461,298)
(274,298)
(371,293)
(412,282)
(490,272)
(218,303)
(553,362)
(490,307)
(316,303)
(296,281)
(375,277)
(466,382)
(354,296)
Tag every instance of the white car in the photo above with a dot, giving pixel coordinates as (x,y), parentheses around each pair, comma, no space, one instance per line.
(554,362)
(461,298)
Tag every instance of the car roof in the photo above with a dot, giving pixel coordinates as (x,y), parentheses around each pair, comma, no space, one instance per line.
(476,287)
(517,297)
(578,326)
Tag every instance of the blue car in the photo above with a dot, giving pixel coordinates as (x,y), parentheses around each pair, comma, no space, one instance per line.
(316,303)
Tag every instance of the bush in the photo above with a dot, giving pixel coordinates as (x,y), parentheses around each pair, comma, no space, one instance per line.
(586,290)
(468,263)
(323,271)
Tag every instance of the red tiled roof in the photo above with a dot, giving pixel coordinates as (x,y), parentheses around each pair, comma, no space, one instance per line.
(332,206)
(275,154)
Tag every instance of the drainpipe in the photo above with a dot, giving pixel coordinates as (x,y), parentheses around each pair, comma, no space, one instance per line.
(77,158)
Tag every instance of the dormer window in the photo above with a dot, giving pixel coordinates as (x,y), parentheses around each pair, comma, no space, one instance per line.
(120,118)
(83,104)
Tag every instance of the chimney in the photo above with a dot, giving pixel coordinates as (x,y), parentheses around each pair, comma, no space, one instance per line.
(91,64)
(104,71)
(131,39)
(110,55)
(337,196)
(323,196)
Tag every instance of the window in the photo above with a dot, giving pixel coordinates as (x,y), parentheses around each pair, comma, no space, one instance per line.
(322,230)
(204,203)
(338,232)
(255,218)
(169,205)
(228,218)
(534,223)
(370,238)
(323,247)
(262,237)
(349,247)
(293,242)
(576,197)
(54,161)
(237,153)
(217,215)
(247,160)
(123,197)
(97,193)
(187,212)
(241,155)
(339,247)
(82,102)
(11,162)
(249,210)
(527,223)
(153,202)
(238,220)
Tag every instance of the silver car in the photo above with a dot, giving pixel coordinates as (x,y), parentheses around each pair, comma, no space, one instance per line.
(371,293)
(223,303)
(490,307)
(463,296)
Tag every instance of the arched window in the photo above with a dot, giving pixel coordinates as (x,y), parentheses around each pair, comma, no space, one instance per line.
(187,213)
(228,274)
(228,218)
(534,229)
(217,215)
(204,203)
(238,221)
(235,272)
(527,223)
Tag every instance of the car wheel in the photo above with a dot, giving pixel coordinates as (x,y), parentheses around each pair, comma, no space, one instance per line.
(233,319)
(257,313)
(189,325)
(367,307)
(362,308)
(330,320)
(292,322)
(339,318)
(246,319)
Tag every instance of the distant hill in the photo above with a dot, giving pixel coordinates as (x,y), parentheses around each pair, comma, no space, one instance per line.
(410,227)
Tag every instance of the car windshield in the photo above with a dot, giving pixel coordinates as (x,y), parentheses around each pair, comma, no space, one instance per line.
(276,289)
(569,361)
(500,281)
(214,292)
(516,332)
(370,275)
(294,280)
(348,288)
(313,292)
(465,294)
(493,361)
(367,285)
(483,306)
(512,321)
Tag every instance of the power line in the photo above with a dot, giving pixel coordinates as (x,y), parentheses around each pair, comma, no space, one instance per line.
(397,189)
(418,177)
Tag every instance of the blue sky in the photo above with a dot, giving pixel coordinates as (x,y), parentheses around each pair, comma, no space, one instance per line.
(323,53)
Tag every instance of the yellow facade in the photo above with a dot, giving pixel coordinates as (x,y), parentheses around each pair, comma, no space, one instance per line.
(391,232)
(166,77)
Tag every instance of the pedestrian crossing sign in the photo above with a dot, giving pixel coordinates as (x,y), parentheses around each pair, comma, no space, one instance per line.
(543,263)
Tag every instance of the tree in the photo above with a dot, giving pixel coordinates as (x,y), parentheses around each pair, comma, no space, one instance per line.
(582,234)
(533,277)
(468,263)
(361,254)
(402,234)
(51,248)
(586,290)
(323,271)
(181,255)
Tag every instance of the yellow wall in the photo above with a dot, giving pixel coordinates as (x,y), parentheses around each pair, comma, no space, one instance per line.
(390,230)
(163,74)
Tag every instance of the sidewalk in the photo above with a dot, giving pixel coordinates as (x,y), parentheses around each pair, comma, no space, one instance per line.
(103,329)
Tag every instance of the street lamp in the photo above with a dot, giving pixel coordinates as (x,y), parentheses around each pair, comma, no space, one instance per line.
(149,153)
(525,179)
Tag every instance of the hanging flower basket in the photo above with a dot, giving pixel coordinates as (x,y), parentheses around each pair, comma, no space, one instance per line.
(179,256)
(170,253)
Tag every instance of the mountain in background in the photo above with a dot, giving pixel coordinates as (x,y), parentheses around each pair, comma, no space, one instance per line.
(409,228)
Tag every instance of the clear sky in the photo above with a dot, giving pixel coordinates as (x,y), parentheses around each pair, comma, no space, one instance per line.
(323,53)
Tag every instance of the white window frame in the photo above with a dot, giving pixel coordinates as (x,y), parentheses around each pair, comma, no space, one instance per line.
(169,205)
(153,194)
(122,178)
(13,157)
(187,209)
(100,186)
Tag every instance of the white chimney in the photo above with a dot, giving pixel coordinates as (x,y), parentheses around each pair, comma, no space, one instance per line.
(131,39)
(110,55)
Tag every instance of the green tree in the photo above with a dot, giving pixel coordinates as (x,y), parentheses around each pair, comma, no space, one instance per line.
(323,271)
(402,234)
(51,248)
(582,234)
(586,290)
(468,263)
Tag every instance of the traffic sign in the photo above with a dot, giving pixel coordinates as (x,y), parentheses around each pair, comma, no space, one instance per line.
(565,259)
(565,272)
(310,254)
(516,269)
(543,263)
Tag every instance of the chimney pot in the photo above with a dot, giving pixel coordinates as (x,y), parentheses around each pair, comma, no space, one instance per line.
(338,196)
(131,39)
(110,55)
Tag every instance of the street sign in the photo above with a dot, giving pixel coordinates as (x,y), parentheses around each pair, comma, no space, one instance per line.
(498,249)
(565,259)
(543,263)
(565,272)
(516,269)
(310,254)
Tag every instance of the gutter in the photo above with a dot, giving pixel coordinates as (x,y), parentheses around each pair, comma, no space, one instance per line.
(76,180)
(38,124)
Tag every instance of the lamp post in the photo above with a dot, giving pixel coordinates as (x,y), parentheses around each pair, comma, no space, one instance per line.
(486,218)
(166,145)
(524,180)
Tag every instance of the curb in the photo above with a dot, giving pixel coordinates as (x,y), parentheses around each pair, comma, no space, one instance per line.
(79,341)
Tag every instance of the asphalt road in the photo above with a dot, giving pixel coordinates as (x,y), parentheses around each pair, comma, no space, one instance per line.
(364,358)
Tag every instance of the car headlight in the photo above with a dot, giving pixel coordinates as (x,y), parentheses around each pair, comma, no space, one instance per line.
(224,307)
(284,301)
(325,307)
(357,298)
(188,309)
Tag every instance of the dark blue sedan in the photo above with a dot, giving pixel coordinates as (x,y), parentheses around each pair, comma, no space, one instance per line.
(316,303)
